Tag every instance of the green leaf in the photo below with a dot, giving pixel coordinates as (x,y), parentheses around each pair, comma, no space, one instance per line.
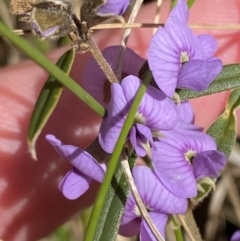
(228,79)
(47,101)
(223,130)
(111,214)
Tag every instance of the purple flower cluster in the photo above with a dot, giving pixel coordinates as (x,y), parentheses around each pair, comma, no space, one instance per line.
(181,154)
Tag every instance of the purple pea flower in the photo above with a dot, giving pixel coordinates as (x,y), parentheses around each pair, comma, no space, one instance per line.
(95,81)
(157,199)
(117,7)
(85,169)
(185,156)
(236,236)
(156,112)
(180,59)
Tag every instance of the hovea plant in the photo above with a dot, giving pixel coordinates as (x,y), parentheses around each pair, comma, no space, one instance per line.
(157,162)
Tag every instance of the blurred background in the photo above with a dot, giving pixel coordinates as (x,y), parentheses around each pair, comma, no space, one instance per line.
(218,216)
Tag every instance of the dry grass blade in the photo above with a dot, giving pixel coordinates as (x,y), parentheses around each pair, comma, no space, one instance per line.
(190,226)
(215,207)
(136,7)
(139,202)
(157,15)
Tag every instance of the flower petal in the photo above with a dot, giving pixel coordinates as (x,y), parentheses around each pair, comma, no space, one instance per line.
(180,11)
(185,112)
(164,61)
(131,220)
(157,109)
(113,123)
(209,45)
(74,184)
(236,236)
(160,220)
(117,7)
(136,142)
(208,164)
(175,172)
(196,75)
(154,194)
(166,48)
(95,81)
(79,158)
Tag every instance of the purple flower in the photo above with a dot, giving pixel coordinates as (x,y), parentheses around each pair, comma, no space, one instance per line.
(178,58)
(156,112)
(157,199)
(95,81)
(85,169)
(236,236)
(185,156)
(117,7)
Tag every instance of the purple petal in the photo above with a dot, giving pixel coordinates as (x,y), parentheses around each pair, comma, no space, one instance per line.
(180,11)
(164,61)
(145,132)
(196,75)
(137,143)
(117,7)
(208,164)
(154,194)
(95,81)
(131,219)
(171,165)
(158,110)
(209,45)
(113,123)
(165,51)
(236,236)
(185,112)
(74,184)
(174,171)
(215,65)
(79,158)
(160,220)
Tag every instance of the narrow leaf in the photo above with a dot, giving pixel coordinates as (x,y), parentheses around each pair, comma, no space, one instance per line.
(111,214)
(47,101)
(223,130)
(228,79)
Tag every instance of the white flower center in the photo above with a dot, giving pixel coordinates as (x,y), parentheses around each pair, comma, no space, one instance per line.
(140,118)
(184,57)
(189,155)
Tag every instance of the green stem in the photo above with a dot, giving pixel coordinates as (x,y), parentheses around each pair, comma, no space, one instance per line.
(114,159)
(178,234)
(177,229)
(52,69)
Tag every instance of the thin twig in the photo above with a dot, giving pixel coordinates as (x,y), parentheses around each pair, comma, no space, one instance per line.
(189,224)
(150,25)
(133,15)
(157,15)
(233,193)
(139,202)
(103,64)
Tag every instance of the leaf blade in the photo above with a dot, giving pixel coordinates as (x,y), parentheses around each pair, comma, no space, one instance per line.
(228,79)
(47,101)
(223,130)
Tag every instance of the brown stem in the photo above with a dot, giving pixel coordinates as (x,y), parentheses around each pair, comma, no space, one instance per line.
(103,64)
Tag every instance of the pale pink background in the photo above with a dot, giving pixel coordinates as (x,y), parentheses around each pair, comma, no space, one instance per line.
(30,204)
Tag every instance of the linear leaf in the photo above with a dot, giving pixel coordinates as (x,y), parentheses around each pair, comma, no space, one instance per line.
(109,222)
(223,130)
(47,101)
(228,79)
